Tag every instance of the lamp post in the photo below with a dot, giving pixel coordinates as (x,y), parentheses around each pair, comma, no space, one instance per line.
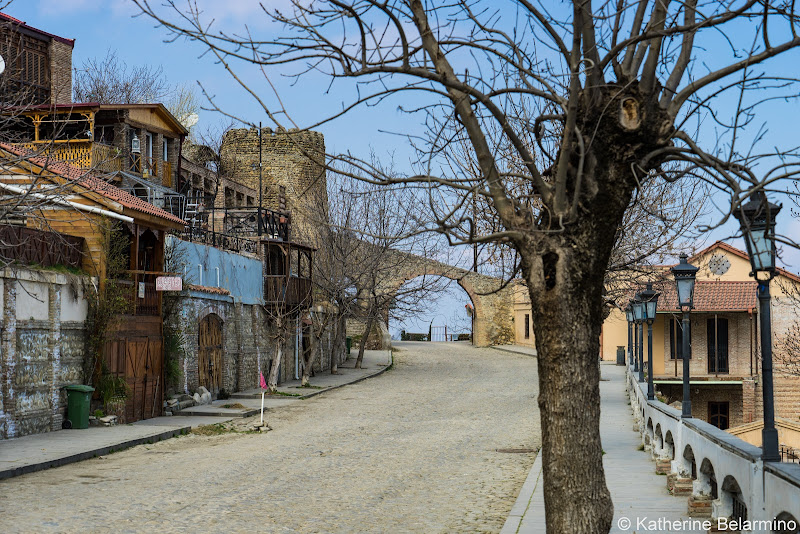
(685,274)
(638,315)
(629,318)
(757,220)
(650,302)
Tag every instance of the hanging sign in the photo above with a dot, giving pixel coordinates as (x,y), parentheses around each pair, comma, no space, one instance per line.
(169,283)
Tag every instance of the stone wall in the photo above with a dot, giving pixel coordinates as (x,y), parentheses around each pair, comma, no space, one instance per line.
(41,350)
(248,341)
(293,160)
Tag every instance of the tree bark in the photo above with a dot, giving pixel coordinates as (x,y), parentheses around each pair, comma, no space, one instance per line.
(565,274)
(280,339)
(337,343)
(364,340)
(308,360)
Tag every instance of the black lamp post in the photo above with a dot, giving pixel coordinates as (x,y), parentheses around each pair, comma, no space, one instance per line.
(757,220)
(629,318)
(684,274)
(639,317)
(650,302)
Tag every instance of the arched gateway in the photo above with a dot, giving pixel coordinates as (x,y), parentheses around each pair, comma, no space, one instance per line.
(493,303)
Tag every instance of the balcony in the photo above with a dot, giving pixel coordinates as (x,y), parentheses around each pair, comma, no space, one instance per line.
(87,154)
(287,276)
(288,292)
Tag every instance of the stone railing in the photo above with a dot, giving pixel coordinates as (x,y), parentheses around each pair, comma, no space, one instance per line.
(722,476)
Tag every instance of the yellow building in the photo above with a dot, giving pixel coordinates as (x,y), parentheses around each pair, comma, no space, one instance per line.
(724,335)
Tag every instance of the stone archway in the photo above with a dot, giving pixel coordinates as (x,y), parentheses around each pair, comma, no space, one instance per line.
(491,300)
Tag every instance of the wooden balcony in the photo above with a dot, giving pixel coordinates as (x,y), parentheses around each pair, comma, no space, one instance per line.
(287,292)
(104,158)
(82,154)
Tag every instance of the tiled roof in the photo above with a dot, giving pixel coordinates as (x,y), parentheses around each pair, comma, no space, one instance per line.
(742,254)
(711,295)
(208,289)
(92,183)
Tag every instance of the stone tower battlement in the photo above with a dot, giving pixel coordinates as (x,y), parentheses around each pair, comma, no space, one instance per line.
(292,159)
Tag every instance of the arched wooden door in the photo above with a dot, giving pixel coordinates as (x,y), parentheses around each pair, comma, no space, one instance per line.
(209,353)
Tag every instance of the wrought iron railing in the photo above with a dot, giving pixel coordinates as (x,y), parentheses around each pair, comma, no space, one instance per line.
(30,246)
(215,239)
(789,454)
(252,221)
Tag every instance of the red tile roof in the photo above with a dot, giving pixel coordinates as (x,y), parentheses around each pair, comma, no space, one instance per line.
(208,289)
(711,295)
(92,183)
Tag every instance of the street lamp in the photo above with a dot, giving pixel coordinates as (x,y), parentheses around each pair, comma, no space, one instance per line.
(639,317)
(629,318)
(684,274)
(757,220)
(650,302)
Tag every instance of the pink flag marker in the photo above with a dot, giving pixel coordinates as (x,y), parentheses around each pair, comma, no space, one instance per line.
(262,382)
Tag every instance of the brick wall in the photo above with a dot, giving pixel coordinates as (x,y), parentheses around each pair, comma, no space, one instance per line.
(739,345)
(60,72)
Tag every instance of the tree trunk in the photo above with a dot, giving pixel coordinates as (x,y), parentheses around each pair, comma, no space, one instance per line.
(364,340)
(308,359)
(338,339)
(565,275)
(272,381)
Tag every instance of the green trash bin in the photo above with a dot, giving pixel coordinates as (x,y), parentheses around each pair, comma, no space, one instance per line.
(349,344)
(78,400)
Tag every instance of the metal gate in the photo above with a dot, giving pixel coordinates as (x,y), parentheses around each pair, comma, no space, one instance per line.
(209,353)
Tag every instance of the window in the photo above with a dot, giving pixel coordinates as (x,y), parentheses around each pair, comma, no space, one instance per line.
(717,329)
(718,414)
(527,326)
(676,339)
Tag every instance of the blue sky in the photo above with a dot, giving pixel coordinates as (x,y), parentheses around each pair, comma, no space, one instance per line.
(99,25)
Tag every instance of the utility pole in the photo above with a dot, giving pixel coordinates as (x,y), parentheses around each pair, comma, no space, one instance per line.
(260,185)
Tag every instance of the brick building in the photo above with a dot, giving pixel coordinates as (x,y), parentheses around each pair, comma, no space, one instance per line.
(724,334)
(38,65)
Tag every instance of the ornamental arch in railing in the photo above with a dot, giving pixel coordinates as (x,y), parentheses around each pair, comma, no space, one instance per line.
(706,483)
(669,445)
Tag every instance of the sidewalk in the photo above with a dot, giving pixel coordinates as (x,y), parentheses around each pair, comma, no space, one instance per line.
(52,449)
(637,492)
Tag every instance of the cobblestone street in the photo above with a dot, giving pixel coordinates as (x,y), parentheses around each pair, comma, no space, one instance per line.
(412,450)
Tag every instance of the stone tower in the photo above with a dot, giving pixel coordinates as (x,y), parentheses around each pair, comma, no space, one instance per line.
(290,159)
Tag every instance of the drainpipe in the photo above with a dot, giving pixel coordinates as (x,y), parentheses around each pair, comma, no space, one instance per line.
(200,271)
(67,203)
(217,269)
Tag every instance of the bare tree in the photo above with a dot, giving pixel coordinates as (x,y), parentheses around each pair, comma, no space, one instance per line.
(619,94)
(111,80)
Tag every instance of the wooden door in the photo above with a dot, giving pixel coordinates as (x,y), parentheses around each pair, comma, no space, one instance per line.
(134,350)
(209,353)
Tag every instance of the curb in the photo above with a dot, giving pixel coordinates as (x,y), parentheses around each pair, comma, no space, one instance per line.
(525,498)
(31,468)
(236,415)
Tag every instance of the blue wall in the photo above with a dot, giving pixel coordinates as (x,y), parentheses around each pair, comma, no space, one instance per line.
(240,275)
